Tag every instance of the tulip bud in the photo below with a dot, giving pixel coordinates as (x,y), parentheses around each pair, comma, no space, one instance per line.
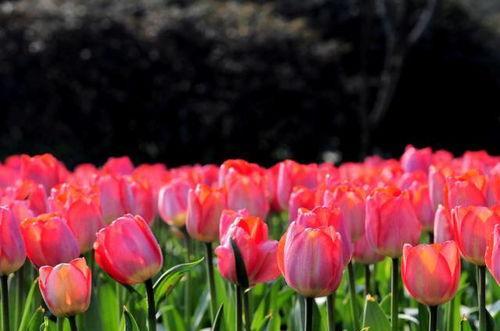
(391,221)
(66,287)
(473,226)
(492,256)
(311,259)
(137,198)
(249,233)
(290,174)
(351,202)
(431,273)
(443,225)
(49,240)
(110,198)
(172,202)
(466,190)
(204,209)
(419,194)
(301,197)
(12,250)
(128,251)
(246,187)
(416,159)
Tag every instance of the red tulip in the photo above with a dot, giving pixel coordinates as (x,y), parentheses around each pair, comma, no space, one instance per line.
(154,176)
(258,252)
(419,194)
(301,197)
(43,169)
(172,202)
(351,202)
(118,166)
(49,240)
(33,193)
(82,212)
(416,159)
(492,256)
(66,287)
(443,225)
(204,208)
(128,251)
(391,221)
(137,198)
(12,250)
(431,273)
(364,253)
(110,198)
(437,186)
(311,258)
(290,174)
(84,175)
(324,217)
(246,187)
(473,226)
(466,190)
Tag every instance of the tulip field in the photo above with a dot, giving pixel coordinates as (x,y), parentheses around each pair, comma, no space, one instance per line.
(383,245)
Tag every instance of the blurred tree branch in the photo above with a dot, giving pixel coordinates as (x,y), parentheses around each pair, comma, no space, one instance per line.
(403,24)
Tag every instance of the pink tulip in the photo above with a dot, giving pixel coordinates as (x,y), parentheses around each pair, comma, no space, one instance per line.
(443,225)
(416,159)
(391,221)
(204,209)
(258,252)
(49,240)
(118,166)
(492,256)
(301,197)
(311,258)
(12,250)
(43,169)
(290,174)
(66,288)
(473,226)
(128,251)
(467,190)
(420,199)
(110,198)
(172,202)
(437,186)
(431,273)
(364,253)
(137,198)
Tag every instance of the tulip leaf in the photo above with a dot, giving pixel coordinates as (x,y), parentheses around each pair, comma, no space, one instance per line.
(374,317)
(465,325)
(130,322)
(274,323)
(241,272)
(170,278)
(25,319)
(36,320)
(217,324)
(201,309)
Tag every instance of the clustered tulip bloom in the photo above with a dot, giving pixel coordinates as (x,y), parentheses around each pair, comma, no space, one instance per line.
(431,273)
(249,233)
(128,251)
(66,288)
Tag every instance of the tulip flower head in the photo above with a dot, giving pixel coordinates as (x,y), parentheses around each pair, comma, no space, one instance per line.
(49,240)
(172,202)
(416,159)
(204,209)
(301,197)
(391,221)
(249,233)
(291,174)
(66,288)
(443,225)
(492,255)
(473,226)
(431,273)
(128,251)
(468,189)
(311,258)
(12,249)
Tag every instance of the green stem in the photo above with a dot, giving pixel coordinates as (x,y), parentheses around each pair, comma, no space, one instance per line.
(60,324)
(482,298)
(5,303)
(395,294)
(211,280)
(187,288)
(309,314)
(433,312)
(151,305)
(352,292)
(367,279)
(72,323)
(246,307)
(330,306)
(239,309)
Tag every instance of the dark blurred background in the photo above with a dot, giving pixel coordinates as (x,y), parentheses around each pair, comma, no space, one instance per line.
(205,80)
